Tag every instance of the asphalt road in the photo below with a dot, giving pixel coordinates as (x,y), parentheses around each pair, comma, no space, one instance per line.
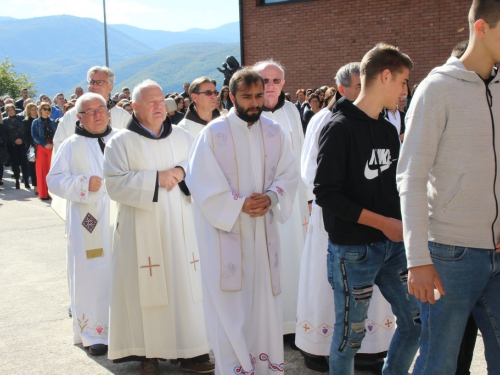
(35,330)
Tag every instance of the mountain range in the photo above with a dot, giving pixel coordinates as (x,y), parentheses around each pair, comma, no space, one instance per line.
(56,52)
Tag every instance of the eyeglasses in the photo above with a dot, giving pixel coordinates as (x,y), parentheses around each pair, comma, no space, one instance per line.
(208,92)
(92,112)
(46,109)
(99,82)
(275,81)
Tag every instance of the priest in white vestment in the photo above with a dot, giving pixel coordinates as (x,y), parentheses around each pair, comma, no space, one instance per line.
(292,233)
(243,178)
(315,310)
(156,309)
(203,105)
(100,81)
(77,176)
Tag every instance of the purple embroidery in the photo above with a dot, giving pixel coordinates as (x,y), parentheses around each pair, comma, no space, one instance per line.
(89,222)
(279,190)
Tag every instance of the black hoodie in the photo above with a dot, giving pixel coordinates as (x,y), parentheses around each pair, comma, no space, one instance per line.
(356,170)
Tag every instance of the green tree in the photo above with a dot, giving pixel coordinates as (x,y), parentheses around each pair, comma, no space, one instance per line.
(11,82)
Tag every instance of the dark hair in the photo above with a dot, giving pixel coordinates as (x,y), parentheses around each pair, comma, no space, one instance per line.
(195,85)
(488,10)
(459,49)
(244,77)
(314,96)
(381,57)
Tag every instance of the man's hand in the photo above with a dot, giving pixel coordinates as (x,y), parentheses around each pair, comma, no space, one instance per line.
(256,205)
(49,146)
(421,282)
(95,183)
(393,229)
(171,177)
(18,141)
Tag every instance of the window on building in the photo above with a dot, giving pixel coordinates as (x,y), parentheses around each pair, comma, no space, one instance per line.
(269,2)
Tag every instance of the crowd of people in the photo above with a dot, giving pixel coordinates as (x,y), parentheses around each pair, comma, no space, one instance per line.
(223,220)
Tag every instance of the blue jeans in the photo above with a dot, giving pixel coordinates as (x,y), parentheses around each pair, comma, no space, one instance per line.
(353,271)
(471,281)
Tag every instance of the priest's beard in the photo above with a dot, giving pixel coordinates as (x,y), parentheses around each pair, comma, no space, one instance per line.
(245,116)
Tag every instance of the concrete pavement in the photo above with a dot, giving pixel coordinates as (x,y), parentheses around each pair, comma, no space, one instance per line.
(35,330)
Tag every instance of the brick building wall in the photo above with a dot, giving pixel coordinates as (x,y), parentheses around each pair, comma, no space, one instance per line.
(314,38)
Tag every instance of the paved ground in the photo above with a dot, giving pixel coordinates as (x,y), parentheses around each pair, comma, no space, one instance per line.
(35,331)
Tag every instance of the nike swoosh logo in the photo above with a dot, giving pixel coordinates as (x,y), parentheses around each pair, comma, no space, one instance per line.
(370,174)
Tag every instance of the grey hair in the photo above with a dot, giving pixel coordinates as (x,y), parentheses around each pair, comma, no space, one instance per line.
(102,69)
(171,105)
(261,65)
(87,98)
(343,76)
(136,94)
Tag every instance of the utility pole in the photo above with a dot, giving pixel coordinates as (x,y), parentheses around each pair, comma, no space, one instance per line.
(105,33)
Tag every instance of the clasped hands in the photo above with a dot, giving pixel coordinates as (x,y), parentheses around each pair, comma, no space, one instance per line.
(171,177)
(256,205)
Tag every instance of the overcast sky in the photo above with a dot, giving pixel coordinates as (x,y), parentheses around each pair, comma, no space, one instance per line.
(167,15)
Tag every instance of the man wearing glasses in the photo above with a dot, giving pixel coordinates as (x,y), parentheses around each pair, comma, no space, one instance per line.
(292,233)
(76,175)
(202,109)
(100,81)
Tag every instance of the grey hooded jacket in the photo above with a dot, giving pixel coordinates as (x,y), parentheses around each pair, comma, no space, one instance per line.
(448,169)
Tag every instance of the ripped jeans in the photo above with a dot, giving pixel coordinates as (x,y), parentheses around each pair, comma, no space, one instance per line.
(353,271)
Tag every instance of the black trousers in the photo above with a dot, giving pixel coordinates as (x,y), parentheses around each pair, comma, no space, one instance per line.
(19,161)
(32,170)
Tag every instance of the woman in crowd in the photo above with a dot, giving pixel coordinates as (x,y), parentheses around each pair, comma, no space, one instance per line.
(128,107)
(174,115)
(30,115)
(329,95)
(224,98)
(314,102)
(17,144)
(187,102)
(42,131)
(179,100)
(321,96)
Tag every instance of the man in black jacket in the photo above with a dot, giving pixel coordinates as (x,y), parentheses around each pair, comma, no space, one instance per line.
(356,187)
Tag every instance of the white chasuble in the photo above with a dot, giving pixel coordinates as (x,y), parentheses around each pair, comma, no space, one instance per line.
(118,118)
(293,232)
(156,306)
(88,235)
(316,309)
(191,127)
(245,321)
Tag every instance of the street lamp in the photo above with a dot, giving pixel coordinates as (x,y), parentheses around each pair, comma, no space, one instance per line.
(105,33)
